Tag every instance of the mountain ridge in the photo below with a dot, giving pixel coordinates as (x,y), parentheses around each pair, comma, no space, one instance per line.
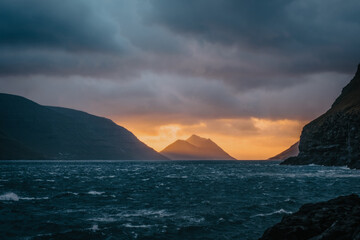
(64,133)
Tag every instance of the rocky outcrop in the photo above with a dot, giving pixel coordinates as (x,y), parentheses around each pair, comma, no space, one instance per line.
(195,148)
(333,139)
(292,151)
(32,131)
(338,218)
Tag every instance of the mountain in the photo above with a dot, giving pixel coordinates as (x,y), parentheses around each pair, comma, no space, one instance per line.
(11,149)
(195,148)
(333,139)
(32,131)
(292,151)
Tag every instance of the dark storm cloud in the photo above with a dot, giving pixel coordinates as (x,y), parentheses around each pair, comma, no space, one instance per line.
(184,59)
(244,43)
(84,37)
(67,25)
(225,21)
(57,38)
(175,99)
(324,35)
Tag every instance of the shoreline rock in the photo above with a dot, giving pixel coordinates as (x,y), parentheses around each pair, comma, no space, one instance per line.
(337,218)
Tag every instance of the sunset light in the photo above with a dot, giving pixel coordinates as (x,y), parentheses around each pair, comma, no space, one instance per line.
(245,139)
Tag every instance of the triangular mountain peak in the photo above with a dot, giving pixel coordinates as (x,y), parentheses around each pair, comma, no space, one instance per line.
(199,141)
(195,148)
(194,136)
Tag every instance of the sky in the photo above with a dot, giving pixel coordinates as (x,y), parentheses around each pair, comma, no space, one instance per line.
(247,74)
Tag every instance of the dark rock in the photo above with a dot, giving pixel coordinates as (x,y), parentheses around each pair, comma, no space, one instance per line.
(333,139)
(33,131)
(338,219)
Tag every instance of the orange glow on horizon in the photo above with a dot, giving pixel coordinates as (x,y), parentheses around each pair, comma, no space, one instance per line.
(244,139)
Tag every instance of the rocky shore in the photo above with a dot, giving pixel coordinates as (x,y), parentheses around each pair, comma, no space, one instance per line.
(338,219)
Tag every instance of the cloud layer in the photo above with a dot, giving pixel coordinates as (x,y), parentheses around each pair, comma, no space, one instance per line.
(181,62)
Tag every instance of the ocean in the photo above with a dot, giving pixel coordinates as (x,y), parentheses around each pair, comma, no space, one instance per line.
(158,199)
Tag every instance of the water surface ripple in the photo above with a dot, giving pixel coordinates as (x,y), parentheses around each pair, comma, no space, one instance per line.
(159,199)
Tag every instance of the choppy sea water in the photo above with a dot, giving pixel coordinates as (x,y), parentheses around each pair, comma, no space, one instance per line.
(158,200)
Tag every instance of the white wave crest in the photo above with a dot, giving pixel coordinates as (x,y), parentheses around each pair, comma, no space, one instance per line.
(103,219)
(94,228)
(129,225)
(33,198)
(95,193)
(145,213)
(14,197)
(280,211)
(9,197)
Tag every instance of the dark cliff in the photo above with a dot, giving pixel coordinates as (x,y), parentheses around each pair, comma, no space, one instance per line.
(333,139)
(32,131)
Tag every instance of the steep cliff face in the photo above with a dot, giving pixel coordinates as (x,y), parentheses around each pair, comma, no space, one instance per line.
(333,139)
